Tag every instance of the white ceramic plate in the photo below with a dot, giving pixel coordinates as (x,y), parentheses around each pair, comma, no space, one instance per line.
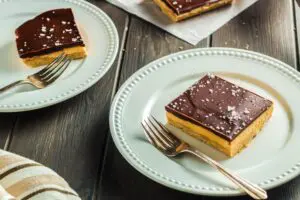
(269,161)
(98,32)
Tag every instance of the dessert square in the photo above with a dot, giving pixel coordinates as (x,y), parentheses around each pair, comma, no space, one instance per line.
(178,10)
(220,113)
(40,40)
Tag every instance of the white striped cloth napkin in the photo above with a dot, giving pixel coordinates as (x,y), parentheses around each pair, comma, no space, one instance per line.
(24,179)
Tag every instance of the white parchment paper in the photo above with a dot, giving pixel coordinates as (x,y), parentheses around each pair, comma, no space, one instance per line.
(192,30)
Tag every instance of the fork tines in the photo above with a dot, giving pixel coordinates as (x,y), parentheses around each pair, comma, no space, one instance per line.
(158,134)
(53,63)
(58,64)
(51,72)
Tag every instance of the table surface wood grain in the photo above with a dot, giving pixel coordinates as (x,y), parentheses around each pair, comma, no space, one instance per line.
(73,137)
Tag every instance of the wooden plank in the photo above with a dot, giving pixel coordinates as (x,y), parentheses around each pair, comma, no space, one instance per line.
(70,137)
(266,27)
(297,28)
(7,121)
(119,180)
(147,43)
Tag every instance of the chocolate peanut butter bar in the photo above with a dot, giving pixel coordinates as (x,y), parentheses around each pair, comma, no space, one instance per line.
(43,38)
(220,113)
(178,10)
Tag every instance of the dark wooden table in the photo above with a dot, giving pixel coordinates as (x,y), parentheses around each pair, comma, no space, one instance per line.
(73,137)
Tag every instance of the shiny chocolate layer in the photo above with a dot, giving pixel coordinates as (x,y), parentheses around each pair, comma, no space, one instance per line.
(48,32)
(184,6)
(219,106)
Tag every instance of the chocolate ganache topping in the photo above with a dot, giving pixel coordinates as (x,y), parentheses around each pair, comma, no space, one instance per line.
(48,32)
(184,6)
(219,106)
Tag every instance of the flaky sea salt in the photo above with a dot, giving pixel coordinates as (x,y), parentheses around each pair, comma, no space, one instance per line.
(246,111)
(230,108)
(211,75)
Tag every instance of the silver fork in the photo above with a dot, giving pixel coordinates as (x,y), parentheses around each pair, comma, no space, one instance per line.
(166,142)
(46,76)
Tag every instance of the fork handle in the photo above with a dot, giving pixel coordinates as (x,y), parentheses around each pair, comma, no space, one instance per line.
(12,85)
(253,190)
